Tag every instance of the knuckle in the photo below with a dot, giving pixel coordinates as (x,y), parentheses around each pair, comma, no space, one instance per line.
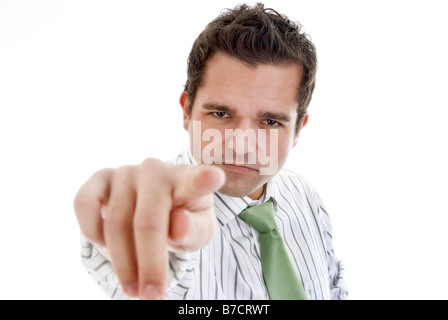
(86,198)
(151,164)
(89,224)
(102,173)
(123,172)
(114,225)
(123,178)
(83,204)
(153,168)
(81,200)
(146,223)
(152,213)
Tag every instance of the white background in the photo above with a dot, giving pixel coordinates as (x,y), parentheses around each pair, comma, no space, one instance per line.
(92,84)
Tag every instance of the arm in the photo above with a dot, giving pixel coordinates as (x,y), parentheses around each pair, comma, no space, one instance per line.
(338,288)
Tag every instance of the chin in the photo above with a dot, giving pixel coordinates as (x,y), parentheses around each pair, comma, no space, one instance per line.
(234,193)
(240,189)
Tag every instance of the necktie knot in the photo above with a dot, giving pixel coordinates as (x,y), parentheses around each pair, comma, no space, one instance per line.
(260,216)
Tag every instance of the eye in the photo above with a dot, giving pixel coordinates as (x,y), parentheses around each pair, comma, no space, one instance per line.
(220,115)
(271,123)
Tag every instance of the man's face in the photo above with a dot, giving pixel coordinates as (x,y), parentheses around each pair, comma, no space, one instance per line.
(258,104)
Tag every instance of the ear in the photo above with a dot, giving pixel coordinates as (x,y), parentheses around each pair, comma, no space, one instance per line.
(302,125)
(185,104)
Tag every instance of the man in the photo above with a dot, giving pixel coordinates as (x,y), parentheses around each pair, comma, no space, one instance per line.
(176,230)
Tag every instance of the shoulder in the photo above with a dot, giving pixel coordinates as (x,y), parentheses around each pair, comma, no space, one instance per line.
(292,186)
(294,182)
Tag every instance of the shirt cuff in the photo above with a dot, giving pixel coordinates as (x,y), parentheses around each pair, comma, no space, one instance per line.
(96,260)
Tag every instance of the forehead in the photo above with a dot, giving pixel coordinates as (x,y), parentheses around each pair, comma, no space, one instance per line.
(227,78)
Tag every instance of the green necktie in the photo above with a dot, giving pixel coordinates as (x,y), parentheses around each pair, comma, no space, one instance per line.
(281,278)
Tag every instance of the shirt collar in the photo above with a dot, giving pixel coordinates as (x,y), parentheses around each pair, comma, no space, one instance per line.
(227,207)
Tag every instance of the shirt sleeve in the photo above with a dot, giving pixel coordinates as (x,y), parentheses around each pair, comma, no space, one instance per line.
(338,287)
(100,269)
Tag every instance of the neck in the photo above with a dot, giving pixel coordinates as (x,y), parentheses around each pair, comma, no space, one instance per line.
(256,195)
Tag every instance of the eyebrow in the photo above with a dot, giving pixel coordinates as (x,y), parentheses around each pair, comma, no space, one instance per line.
(275,116)
(219,108)
(280,116)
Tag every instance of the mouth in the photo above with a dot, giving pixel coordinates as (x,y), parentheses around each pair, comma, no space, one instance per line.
(238,168)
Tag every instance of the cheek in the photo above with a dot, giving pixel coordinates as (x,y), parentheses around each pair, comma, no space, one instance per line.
(282,150)
(206,142)
(283,140)
(283,145)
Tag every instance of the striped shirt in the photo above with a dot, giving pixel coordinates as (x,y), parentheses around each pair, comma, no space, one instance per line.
(229,267)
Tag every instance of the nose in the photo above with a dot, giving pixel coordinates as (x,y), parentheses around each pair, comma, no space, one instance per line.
(241,143)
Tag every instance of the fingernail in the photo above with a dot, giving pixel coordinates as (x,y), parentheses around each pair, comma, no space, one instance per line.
(151,293)
(131,289)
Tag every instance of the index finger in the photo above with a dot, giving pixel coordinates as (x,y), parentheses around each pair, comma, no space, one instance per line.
(196,181)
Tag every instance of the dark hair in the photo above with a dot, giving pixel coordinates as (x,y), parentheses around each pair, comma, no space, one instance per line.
(255,35)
